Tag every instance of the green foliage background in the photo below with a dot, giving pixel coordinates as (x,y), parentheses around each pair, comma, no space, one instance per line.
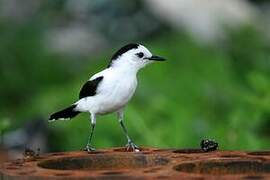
(200,92)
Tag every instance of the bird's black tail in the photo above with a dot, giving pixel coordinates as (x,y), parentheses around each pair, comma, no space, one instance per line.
(67,113)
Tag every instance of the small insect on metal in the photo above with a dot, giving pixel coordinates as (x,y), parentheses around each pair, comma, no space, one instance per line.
(30,154)
(209,145)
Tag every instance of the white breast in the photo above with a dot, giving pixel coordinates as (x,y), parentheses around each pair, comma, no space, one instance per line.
(113,93)
(117,89)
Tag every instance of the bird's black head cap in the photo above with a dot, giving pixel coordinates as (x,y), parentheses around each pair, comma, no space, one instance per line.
(122,51)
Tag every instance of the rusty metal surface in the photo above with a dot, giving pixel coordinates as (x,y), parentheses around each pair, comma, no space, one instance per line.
(149,163)
(3,155)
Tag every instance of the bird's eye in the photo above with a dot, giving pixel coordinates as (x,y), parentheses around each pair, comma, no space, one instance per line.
(140,54)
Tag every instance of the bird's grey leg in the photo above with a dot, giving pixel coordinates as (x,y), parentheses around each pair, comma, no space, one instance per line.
(89,148)
(130,145)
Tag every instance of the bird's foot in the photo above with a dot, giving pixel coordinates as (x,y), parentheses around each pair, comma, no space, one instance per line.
(89,149)
(132,147)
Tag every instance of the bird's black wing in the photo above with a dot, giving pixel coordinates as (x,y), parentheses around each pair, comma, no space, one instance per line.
(90,87)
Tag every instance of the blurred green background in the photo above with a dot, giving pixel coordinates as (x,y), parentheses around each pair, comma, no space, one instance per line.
(215,84)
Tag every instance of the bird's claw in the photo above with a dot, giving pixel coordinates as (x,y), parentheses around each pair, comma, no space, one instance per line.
(89,149)
(132,147)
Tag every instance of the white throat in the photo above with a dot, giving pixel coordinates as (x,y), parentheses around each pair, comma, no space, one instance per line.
(126,65)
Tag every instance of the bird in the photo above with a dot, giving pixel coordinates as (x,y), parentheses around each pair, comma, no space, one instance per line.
(109,90)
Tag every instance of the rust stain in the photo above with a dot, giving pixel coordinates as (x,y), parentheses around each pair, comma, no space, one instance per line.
(149,163)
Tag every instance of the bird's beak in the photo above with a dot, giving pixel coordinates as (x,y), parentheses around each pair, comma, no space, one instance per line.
(156,58)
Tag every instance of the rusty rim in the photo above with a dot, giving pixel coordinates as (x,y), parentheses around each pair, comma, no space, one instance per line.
(149,163)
